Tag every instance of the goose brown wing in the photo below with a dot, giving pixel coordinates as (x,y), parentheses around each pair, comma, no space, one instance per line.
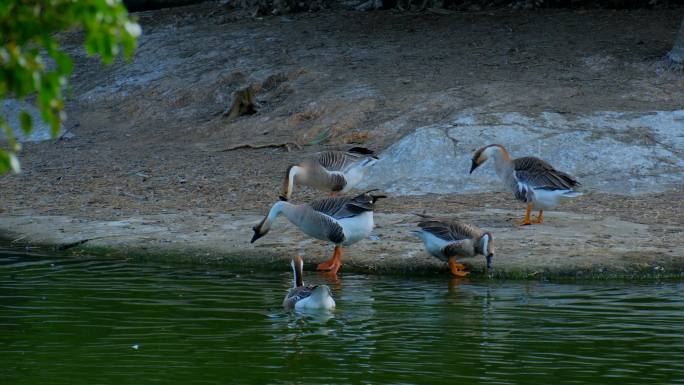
(322,223)
(330,206)
(362,151)
(455,248)
(297,294)
(335,160)
(536,173)
(343,207)
(450,231)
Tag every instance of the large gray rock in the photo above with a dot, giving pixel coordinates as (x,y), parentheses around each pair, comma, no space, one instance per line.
(624,153)
(10,109)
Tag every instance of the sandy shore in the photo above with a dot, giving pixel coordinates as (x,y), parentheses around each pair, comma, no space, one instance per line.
(147,169)
(567,245)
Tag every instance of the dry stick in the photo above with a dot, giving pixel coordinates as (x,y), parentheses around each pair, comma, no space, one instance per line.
(19,239)
(69,245)
(286,145)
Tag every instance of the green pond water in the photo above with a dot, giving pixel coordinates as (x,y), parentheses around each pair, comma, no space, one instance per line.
(67,320)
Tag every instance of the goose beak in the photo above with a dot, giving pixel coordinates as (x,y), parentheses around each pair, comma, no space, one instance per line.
(489,261)
(256,235)
(473,166)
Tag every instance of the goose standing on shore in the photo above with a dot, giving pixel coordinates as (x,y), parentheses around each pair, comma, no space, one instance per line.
(450,240)
(340,220)
(302,296)
(332,171)
(533,181)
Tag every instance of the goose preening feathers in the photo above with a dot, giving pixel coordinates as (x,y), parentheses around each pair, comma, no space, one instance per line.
(533,181)
(332,171)
(302,296)
(450,240)
(340,220)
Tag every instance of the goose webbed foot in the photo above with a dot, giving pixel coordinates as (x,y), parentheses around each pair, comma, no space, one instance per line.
(539,217)
(334,263)
(336,266)
(526,221)
(457,269)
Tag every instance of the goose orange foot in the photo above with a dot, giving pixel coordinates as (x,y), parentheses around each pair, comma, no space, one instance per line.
(526,221)
(457,269)
(326,265)
(334,278)
(333,269)
(539,217)
(334,262)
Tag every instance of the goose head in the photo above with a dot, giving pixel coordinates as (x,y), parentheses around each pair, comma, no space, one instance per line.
(485,246)
(321,291)
(294,173)
(261,229)
(485,153)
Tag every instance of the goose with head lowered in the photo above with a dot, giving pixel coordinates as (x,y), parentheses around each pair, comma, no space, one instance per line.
(304,297)
(449,240)
(332,171)
(531,179)
(340,220)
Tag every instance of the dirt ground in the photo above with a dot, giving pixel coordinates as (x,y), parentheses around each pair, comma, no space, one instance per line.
(149,135)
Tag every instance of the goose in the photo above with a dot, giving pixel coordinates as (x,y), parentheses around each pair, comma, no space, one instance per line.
(340,220)
(533,181)
(333,171)
(301,297)
(450,240)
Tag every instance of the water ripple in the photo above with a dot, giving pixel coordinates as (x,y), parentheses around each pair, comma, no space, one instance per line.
(68,320)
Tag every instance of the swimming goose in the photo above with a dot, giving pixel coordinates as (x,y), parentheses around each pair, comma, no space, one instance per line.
(450,240)
(340,220)
(301,297)
(333,171)
(533,181)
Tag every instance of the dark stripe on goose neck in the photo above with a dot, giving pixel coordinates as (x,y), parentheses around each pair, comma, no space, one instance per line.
(298,271)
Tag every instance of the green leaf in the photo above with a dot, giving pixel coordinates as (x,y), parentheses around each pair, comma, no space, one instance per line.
(28,28)
(26,122)
(64,63)
(8,162)
(54,127)
(9,133)
(321,137)
(5,163)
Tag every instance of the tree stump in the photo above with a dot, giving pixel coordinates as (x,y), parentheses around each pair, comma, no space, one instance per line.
(243,103)
(676,56)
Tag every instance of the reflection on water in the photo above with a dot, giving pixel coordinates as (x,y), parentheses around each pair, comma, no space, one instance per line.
(94,321)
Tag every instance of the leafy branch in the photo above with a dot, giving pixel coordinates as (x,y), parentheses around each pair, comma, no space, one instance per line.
(33,64)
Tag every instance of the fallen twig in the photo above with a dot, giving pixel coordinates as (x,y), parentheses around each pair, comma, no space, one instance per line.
(66,246)
(285,145)
(19,239)
(440,11)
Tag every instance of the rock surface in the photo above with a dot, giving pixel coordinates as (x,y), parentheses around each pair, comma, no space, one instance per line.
(10,109)
(566,246)
(620,153)
(149,171)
